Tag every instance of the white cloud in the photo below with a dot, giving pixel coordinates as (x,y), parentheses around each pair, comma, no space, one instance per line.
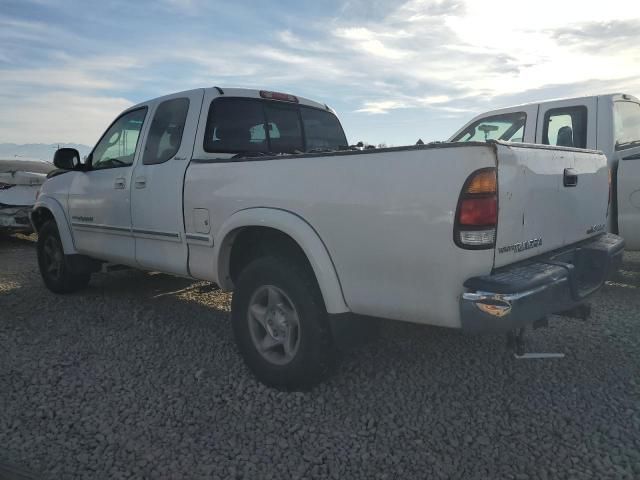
(67,78)
(188,7)
(436,102)
(461,52)
(59,117)
(433,100)
(443,59)
(367,41)
(382,106)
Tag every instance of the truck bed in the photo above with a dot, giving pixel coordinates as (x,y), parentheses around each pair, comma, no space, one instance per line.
(385,217)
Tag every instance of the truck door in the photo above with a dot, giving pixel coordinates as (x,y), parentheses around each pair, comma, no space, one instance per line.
(626,119)
(99,198)
(158,179)
(568,123)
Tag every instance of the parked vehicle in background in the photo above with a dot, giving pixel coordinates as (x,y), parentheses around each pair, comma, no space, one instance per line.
(258,192)
(20,181)
(609,123)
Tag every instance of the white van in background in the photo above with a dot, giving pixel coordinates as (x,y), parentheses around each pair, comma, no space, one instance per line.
(610,123)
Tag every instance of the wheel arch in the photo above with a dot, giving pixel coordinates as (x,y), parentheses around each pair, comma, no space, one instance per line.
(291,226)
(47,208)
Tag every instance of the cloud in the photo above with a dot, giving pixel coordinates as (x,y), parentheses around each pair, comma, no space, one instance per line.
(31,30)
(418,10)
(612,35)
(369,42)
(436,102)
(419,62)
(381,106)
(186,7)
(59,116)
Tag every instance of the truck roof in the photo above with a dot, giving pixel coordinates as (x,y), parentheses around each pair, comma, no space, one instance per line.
(247,93)
(612,96)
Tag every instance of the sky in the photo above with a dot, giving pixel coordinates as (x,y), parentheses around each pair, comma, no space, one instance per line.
(394,70)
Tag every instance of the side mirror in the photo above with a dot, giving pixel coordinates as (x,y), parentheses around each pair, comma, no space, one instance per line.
(66,158)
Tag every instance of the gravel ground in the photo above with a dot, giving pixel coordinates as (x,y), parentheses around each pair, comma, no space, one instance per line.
(138,377)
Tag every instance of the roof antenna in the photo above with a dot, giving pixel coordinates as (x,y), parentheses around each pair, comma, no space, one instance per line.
(219,90)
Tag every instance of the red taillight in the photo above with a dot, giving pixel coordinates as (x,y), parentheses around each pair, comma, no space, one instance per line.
(285,97)
(477,213)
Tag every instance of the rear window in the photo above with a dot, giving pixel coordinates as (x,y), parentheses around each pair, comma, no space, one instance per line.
(284,130)
(322,129)
(238,125)
(627,124)
(508,127)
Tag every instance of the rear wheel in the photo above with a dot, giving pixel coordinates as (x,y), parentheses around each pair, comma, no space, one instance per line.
(55,267)
(280,324)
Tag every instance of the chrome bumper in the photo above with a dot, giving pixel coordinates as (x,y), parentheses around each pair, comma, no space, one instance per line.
(520,294)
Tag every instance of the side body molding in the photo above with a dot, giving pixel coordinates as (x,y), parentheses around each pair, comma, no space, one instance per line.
(300,231)
(53,206)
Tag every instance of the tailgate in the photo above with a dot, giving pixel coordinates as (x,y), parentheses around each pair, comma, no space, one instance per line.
(540,207)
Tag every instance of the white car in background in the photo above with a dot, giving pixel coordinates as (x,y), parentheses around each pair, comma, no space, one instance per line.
(609,123)
(20,181)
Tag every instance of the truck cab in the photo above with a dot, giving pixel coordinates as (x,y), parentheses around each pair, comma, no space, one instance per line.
(609,123)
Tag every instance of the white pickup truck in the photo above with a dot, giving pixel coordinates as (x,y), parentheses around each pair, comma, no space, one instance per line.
(609,123)
(258,192)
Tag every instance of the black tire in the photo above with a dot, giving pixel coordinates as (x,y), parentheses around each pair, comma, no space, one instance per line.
(314,353)
(59,278)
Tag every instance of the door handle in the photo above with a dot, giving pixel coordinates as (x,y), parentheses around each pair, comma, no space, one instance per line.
(141,182)
(120,184)
(570,178)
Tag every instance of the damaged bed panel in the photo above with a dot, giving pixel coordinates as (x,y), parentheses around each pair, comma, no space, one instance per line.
(18,191)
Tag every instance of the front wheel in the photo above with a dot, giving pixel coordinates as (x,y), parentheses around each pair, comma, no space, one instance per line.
(55,268)
(280,324)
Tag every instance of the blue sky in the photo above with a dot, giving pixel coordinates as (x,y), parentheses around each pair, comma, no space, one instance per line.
(395,71)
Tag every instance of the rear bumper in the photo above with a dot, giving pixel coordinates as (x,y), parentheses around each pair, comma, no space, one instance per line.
(15,218)
(520,294)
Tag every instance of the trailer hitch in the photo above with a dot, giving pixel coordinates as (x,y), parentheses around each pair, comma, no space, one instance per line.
(516,342)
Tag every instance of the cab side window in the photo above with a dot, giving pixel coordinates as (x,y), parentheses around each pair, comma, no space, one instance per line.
(117,147)
(165,134)
(565,127)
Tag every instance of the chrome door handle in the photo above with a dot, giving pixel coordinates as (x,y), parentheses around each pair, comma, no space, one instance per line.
(120,184)
(141,182)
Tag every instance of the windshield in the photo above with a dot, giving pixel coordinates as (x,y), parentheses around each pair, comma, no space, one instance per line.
(626,120)
(242,125)
(508,127)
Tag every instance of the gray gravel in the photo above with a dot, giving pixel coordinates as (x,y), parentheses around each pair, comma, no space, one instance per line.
(138,377)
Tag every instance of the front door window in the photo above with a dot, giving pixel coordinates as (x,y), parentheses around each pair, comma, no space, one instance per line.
(117,147)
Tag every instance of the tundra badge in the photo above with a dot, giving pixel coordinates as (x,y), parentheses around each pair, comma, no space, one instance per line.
(521,246)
